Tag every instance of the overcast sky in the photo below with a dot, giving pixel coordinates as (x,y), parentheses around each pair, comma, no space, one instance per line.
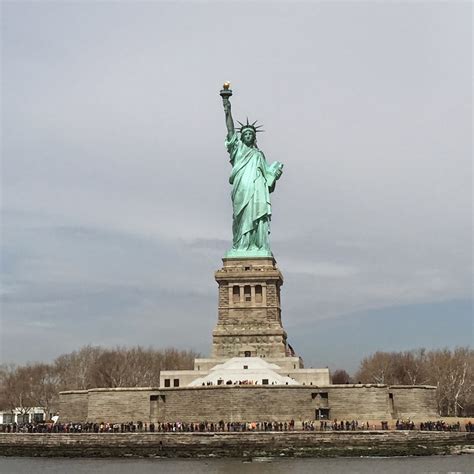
(116,205)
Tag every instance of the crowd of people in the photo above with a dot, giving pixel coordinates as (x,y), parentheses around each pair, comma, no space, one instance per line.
(405,425)
(222,426)
(441,425)
(236,382)
(336,425)
(140,427)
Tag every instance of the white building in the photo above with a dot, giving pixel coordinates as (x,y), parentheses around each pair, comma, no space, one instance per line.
(18,415)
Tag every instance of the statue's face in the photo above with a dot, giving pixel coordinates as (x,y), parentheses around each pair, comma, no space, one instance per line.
(248,137)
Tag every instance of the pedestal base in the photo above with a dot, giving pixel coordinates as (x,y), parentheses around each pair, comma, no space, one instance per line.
(232,253)
(249,315)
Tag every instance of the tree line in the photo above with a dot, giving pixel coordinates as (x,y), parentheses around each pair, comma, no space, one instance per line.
(450,371)
(38,384)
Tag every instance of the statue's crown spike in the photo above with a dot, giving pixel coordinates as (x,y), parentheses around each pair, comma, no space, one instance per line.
(252,126)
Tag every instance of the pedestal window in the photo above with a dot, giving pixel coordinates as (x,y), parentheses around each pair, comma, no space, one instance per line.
(236,294)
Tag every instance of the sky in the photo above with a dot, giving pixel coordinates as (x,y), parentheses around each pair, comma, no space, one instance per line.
(116,205)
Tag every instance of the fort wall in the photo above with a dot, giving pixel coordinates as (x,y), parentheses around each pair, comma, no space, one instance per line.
(248,403)
(74,404)
(120,405)
(410,401)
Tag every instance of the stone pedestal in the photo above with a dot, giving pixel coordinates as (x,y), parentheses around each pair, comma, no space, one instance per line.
(249,311)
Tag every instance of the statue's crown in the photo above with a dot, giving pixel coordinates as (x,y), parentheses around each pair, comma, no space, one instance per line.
(250,126)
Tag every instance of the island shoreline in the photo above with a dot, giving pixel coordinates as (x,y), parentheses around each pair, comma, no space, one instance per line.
(236,445)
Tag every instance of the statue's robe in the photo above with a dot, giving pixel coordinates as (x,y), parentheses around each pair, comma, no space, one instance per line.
(252,181)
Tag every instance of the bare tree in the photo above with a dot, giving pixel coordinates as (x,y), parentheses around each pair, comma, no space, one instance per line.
(74,370)
(136,366)
(45,382)
(17,389)
(410,367)
(377,368)
(461,379)
(340,376)
(39,384)
(451,371)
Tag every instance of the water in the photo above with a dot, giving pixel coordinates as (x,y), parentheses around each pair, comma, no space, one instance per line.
(431,464)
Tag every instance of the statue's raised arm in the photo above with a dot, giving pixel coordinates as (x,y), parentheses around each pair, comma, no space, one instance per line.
(229,121)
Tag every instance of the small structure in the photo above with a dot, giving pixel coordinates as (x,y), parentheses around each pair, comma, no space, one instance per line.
(244,371)
(24,415)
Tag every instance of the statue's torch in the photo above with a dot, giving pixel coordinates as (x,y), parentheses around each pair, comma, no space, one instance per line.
(226,92)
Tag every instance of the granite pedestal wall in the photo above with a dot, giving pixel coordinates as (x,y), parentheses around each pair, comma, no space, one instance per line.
(249,310)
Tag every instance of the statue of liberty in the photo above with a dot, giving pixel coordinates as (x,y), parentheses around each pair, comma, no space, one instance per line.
(252,180)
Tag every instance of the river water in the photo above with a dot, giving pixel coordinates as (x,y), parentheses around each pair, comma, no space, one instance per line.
(409,465)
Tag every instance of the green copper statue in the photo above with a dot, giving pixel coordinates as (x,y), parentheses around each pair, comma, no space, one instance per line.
(252,179)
